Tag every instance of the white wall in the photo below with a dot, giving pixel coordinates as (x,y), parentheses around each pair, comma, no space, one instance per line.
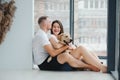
(16,50)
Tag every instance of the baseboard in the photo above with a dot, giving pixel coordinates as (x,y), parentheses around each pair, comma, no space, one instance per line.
(115,75)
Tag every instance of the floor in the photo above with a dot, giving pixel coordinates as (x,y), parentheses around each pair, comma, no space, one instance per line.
(51,75)
(36,74)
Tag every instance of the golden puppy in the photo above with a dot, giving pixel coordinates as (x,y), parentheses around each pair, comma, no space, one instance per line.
(64,39)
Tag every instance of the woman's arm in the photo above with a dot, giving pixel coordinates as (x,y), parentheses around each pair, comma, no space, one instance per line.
(55,44)
(71,46)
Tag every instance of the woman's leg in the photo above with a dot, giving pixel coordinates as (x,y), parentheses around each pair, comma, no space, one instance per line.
(68,58)
(94,54)
(88,57)
(78,55)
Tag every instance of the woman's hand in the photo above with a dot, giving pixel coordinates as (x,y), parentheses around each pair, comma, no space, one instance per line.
(71,47)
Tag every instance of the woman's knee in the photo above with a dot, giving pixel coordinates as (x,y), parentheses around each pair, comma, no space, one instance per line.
(61,58)
(64,57)
(81,47)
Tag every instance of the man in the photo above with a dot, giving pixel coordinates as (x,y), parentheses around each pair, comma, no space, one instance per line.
(42,48)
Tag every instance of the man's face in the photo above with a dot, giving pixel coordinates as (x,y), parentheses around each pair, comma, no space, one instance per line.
(47,23)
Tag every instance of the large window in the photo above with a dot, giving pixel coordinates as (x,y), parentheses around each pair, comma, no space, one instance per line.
(90,25)
(90,20)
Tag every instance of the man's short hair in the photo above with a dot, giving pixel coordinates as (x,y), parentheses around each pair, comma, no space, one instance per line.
(42,18)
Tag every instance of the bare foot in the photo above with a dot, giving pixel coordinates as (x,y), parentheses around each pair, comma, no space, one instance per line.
(104,69)
(93,68)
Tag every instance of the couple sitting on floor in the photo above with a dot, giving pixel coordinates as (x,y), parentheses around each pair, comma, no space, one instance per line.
(44,47)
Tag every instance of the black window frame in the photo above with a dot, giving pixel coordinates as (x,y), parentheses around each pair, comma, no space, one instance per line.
(111,34)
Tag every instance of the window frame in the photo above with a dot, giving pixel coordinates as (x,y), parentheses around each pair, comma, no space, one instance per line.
(111,34)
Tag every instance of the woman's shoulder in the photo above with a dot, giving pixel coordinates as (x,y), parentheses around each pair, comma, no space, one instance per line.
(52,36)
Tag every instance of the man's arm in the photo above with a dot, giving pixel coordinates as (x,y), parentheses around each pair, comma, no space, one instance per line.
(53,52)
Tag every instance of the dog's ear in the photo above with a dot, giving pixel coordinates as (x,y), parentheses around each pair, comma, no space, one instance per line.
(60,36)
(68,34)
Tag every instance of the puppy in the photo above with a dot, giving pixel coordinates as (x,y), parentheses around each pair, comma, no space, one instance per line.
(65,40)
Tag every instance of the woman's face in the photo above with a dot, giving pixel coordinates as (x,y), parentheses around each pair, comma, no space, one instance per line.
(56,29)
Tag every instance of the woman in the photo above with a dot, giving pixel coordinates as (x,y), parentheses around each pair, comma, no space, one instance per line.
(89,59)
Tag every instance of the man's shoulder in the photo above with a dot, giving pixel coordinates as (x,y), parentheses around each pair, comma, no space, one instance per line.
(40,33)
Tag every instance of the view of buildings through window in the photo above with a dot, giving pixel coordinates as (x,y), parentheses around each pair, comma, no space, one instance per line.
(56,10)
(90,27)
(90,20)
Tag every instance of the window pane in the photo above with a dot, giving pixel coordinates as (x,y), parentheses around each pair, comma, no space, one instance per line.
(90,27)
(55,9)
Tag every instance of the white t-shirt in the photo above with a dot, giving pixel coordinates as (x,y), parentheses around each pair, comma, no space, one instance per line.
(40,40)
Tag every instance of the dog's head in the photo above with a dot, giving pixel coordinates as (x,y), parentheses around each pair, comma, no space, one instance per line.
(65,38)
